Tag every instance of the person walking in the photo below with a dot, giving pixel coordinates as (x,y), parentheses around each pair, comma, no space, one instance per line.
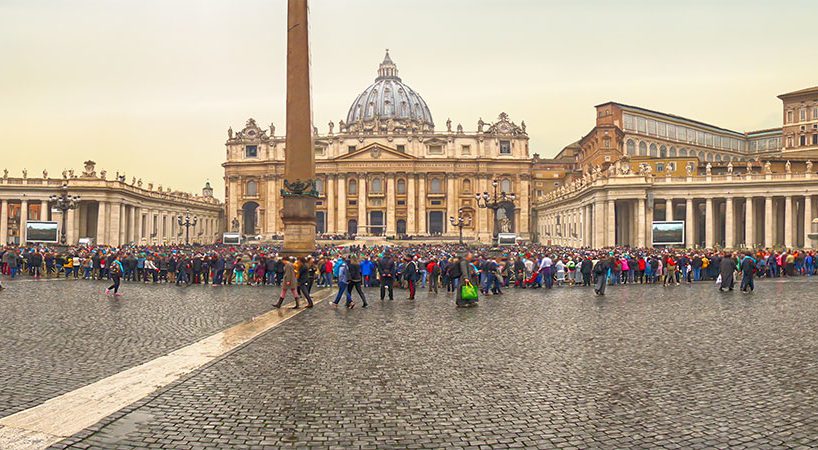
(304,276)
(343,283)
(468,276)
(288,284)
(356,279)
(601,274)
(747,267)
(386,274)
(727,267)
(115,270)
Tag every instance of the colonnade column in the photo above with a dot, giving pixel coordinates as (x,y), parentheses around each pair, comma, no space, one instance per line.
(749,223)
(599,224)
(669,209)
(115,227)
(342,203)
(4,222)
(391,221)
(807,221)
(788,222)
(610,226)
(641,226)
(70,227)
(362,222)
(271,213)
(709,230)
(23,220)
(689,228)
(768,221)
(329,192)
(101,223)
(729,225)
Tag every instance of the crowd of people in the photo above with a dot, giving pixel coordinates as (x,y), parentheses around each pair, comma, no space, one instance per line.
(452,268)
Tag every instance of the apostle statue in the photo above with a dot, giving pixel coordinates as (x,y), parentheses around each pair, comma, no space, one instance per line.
(788,167)
(331,127)
(522,126)
(730,168)
(768,168)
(272,129)
(449,125)
(45,174)
(459,129)
(342,127)
(480,125)
(230,133)
(689,169)
(749,167)
(708,169)
(25,173)
(809,166)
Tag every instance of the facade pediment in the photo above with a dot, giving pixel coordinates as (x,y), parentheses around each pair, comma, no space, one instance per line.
(375,151)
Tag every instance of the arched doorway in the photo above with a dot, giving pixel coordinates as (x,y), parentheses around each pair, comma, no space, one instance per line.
(436,223)
(376,223)
(250,215)
(504,219)
(401,227)
(352,227)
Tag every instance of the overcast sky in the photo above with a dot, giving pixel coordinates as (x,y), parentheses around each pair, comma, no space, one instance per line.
(149,87)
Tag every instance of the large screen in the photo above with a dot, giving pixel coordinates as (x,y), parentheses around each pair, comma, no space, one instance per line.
(40,231)
(669,232)
(231,238)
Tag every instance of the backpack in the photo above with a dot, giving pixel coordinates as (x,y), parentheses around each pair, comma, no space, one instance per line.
(599,268)
(454,270)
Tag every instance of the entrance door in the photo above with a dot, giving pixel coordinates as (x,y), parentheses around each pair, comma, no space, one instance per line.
(352,227)
(376,223)
(250,212)
(320,222)
(436,222)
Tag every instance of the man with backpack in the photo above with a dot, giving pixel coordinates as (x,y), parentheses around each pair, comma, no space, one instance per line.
(386,274)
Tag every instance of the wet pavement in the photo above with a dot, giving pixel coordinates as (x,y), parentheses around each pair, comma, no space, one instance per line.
(57,336)
(647,367)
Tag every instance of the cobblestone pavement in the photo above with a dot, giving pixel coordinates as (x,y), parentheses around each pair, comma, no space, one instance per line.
(57,336)
(645,367)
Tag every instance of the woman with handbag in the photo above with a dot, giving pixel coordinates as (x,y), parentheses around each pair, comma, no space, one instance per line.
(468,283)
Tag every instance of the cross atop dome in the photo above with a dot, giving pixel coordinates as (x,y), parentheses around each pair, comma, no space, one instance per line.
(387,69)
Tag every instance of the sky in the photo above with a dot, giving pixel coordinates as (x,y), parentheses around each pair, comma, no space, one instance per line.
(149,87)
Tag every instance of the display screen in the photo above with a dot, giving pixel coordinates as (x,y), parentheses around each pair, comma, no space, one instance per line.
(38,231)
(231,238)
(669,232)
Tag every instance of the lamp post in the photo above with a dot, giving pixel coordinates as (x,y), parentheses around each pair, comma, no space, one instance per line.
(494,200)
(460,222)
(187,222)
(64,203)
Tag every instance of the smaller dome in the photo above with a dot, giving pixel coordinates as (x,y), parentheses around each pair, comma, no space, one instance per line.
(389,98)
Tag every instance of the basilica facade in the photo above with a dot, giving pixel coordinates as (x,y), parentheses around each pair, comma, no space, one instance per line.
(385,170)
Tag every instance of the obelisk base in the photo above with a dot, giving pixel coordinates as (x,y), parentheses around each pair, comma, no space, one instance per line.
(299,226)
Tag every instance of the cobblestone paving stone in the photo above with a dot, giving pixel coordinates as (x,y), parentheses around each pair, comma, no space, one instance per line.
(643,367)
(57,336)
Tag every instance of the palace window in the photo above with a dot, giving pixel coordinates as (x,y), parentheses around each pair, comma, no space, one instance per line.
(465,150)
(401,186)
(815,113)
(660,167)
(803,114)
(505,147)
(643,149)
(377,186)
(629,122)
(803,140)
(652,127)
(319,151)
(672,153)
(505,185)
(350,148)
(641,124)
(815,139)
(682,133)
(671,131)
(401,148)
(435,149)
(662,129)
(663,152)
(353,187)
(251,189)
(789,116)
(606,142)
(467,185)
(654,152)
(631,148)
(436,186)
(251,151)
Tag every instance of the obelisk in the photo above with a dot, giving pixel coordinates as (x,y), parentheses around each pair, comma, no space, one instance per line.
(299,191)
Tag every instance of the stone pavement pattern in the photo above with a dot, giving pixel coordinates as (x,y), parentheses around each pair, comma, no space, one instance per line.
(642,367)
(57,336)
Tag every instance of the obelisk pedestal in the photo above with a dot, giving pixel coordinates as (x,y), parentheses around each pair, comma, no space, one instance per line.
(299,191)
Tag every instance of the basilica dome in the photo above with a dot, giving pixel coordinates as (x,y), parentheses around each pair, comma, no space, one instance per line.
(388,98)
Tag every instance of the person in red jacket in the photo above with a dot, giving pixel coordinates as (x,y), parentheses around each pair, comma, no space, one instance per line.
(433,269)
(640,262)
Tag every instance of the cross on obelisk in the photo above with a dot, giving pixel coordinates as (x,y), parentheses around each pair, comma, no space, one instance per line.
(299,158)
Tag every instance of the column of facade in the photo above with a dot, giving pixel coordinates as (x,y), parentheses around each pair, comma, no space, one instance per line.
(44,210)
(422,205)
(71,226)
(102,208)
(4,222)
(391,220)
(115,224)
(610,225)
(689,225)
(807,221)
(669,209)
(451,202)
(362,219)
(342,204)
(768,222)
(788,222)
(599,223)
(411,211)
(525,186)
(729,225)
(330,193)
(709,228)
(641,226)
(749,223)
(23,220)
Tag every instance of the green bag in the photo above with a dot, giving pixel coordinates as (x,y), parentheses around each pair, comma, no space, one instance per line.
(468,291)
